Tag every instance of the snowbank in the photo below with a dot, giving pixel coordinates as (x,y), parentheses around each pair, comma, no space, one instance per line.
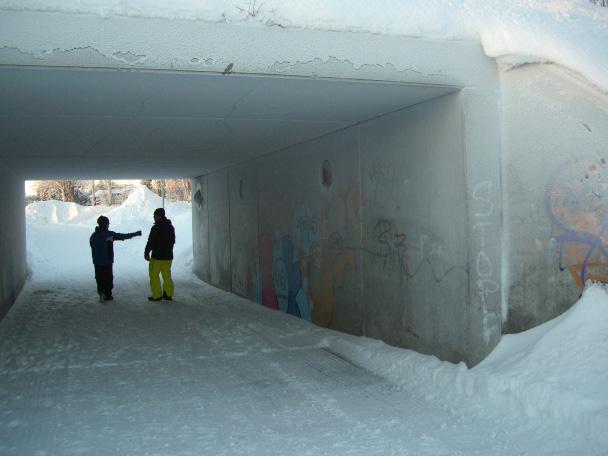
(572,33)
(558,369)
(556,372)
(58,212)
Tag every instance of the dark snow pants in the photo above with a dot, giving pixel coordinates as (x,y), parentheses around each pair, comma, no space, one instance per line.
(104,279)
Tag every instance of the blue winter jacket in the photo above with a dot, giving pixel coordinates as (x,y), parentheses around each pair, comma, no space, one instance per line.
(102,245)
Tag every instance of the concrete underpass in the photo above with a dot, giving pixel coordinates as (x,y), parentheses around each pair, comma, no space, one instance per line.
(345,182)
(348,175)
(211,366)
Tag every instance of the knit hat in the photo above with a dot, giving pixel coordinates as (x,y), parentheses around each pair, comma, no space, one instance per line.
(102,220)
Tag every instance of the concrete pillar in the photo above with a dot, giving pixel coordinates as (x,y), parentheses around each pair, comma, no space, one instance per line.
(13,265)
(481,125)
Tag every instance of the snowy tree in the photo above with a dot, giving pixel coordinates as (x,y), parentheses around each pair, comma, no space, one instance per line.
(600,2)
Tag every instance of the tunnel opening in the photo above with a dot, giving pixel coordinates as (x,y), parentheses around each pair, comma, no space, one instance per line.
(63,215)
(343,202)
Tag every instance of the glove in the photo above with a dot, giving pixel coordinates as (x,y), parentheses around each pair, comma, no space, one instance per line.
(138,233)
(147,256)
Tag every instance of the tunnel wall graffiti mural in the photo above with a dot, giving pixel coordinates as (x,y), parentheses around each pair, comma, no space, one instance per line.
(352,231)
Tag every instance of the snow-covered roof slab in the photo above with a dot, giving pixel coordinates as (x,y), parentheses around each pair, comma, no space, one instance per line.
(56,39)
(88,96)
(571,33)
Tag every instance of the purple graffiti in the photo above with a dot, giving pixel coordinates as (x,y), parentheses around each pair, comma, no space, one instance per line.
(576,202)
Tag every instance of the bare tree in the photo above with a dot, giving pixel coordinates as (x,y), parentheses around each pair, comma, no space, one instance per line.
(154,185)
(68,190)
(63,190)
(46,190)
(175,189)
(187,188)
(109,184)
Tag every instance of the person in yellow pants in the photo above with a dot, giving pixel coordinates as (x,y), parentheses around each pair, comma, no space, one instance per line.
(159,252)
(162,268)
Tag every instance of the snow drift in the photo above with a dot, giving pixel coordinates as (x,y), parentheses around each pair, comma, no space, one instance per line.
(556,373)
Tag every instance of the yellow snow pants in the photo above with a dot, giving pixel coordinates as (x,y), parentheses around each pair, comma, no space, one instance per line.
(156,268)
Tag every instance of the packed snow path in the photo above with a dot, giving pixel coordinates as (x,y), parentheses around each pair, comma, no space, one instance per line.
(208,373)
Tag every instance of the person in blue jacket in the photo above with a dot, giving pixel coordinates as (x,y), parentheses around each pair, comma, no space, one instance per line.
(102,249)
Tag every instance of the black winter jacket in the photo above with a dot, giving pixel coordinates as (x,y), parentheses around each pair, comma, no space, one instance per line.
(161,240)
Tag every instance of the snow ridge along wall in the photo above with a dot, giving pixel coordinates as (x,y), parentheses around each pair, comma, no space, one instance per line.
(366,230)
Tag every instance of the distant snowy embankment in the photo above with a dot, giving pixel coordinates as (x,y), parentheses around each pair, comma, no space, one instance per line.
(58,212)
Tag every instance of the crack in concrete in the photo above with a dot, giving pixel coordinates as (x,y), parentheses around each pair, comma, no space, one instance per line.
(279,65)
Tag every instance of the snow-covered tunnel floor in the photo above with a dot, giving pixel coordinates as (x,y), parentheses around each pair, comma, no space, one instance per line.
(208,373)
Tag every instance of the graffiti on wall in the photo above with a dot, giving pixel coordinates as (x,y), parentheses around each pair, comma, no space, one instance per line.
(311,252)
(390,247)
(304,270)
(309,264)
(332,260)
(576,202)
(483,210)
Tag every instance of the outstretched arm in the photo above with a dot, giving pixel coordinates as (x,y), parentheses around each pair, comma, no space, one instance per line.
(124,236)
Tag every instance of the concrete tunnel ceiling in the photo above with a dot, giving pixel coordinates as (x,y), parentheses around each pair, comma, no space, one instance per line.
(96,123)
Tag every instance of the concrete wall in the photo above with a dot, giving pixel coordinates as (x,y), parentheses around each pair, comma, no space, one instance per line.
(13,267)
(555,165)
(365,230)
(200,228)
(244,253)
(414,228)
(218,206)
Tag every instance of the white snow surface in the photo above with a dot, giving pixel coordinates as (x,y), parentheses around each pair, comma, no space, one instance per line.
(572,33)
(210,373)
